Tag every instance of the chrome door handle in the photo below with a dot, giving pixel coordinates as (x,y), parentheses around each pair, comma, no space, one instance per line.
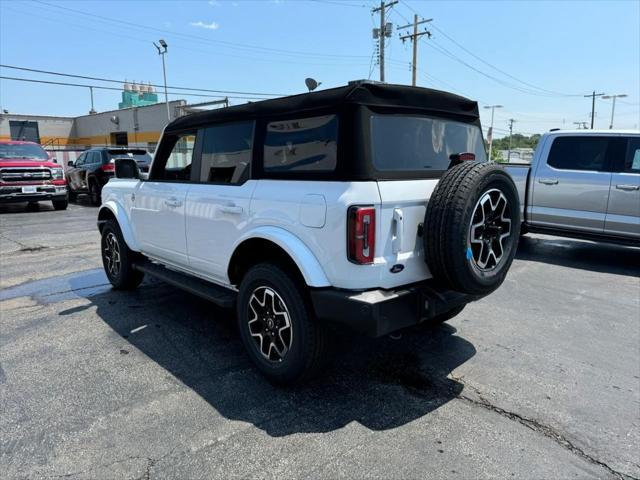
(232,209)
(172,202)
(628,188)
(548,181)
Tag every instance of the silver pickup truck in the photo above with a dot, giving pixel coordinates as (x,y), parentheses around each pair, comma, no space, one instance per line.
(582,184)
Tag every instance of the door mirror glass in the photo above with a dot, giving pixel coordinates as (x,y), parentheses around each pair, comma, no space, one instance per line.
(126,168)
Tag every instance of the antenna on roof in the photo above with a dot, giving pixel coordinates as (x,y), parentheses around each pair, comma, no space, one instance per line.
(311,84)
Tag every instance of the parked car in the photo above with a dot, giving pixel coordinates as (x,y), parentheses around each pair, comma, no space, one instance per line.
(360,205)
(29,174)
(95,167)
(583,184)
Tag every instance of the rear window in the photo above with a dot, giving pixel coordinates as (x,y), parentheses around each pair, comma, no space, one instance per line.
(417,143)
(301,145)
(138,155)
(27,151)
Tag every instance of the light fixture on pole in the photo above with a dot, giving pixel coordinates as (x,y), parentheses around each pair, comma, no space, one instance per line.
(613,105)
(490,134)
(162,51)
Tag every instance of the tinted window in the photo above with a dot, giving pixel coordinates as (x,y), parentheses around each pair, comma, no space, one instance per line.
(579,153)
(226,153)
(420,143)
(81,159)
(632,162)
(301,145)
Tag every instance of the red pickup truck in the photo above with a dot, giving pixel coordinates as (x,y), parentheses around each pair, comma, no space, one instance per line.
(29,174)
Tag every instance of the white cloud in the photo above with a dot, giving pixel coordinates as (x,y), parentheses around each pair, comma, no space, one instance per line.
(214,3)
(208,26)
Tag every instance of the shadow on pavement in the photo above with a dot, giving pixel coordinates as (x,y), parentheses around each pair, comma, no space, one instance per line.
(380,384)
(592,256)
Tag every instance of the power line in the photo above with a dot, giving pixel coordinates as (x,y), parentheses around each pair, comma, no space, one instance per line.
(100,87)
(333,2)
(339,61)
(85,77)
(442,50)
(235,45)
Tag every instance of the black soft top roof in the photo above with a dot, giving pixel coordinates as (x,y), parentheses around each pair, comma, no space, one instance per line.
(361,93)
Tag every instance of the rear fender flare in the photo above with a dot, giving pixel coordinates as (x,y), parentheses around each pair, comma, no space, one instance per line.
(301,255)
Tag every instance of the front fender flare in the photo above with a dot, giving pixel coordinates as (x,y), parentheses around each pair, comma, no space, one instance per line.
(123,221)
(302,256)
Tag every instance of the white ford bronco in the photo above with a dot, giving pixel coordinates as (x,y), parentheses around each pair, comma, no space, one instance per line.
(368,205)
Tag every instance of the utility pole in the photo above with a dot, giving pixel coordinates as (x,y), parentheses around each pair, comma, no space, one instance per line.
(92,111)
(414,38)
(383,32)
(613,106)
(593,104)
(511,122)
(493,109)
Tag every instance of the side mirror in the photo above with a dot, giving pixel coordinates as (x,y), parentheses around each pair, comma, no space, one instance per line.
(70,163)
(127,168)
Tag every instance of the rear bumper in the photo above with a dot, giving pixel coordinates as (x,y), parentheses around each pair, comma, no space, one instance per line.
(43,193)
(379,312)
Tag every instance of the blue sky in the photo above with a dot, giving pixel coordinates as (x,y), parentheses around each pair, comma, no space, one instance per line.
(529,49)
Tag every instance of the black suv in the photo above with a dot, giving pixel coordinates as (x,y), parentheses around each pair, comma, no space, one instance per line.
(96,166)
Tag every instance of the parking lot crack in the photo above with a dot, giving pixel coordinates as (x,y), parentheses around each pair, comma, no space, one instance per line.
(541,428)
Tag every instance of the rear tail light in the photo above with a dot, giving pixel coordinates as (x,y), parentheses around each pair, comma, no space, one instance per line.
(457,158)
(108,167)
(361,234)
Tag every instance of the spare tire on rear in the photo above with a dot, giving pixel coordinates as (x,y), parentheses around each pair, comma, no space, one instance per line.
(471,228)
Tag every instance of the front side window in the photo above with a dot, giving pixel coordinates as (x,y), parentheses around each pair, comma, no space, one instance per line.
(177,165)
(421,144)
(579,153)
(301,145)
(22,151)
(632,162)
(227,153)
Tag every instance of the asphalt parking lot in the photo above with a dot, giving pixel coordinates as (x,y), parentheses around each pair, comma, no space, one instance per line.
(539,380)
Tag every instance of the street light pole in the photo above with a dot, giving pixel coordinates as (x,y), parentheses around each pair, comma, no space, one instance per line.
(613,106)
(162,53)
(493,108)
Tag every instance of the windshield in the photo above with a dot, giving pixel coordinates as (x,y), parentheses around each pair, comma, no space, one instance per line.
(23,151)
(138,155)
(411,143)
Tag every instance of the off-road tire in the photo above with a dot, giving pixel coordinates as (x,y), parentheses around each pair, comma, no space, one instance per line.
(60,204)
(448,221)
(306,352)
(127,277)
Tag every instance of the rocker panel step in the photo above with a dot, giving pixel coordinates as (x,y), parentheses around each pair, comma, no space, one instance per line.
(210,291)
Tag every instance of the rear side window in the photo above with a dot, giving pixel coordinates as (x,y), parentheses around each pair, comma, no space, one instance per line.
(301,145)
(421,144)
(632,161)
(579,153)
(226,153)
